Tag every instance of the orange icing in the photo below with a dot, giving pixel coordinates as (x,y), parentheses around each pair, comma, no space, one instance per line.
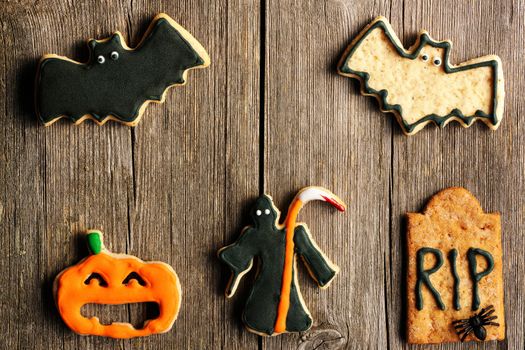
(162,287)
(284,301)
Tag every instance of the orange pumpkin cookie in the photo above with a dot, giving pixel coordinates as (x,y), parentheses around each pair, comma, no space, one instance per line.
(108,278)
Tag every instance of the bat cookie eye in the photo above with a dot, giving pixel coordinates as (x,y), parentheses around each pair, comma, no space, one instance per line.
(424,57)
(437,61)
(101,59)
(267,211)
(258,213)
(114,55)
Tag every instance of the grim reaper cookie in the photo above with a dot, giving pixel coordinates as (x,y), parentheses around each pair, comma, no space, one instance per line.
(275,304)
(419,85)
(108,278)
(117,82)
(455,271)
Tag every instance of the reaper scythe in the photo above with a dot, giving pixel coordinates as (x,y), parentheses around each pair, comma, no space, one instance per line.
(304,196)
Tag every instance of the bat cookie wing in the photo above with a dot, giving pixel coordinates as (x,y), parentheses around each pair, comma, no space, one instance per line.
(118,82)
(166,54)
(419,85)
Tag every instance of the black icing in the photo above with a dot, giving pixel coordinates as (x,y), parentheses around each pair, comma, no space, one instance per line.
(117,87)
(266,241)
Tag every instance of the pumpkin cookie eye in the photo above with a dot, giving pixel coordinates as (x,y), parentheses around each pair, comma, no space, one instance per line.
(134,276)
(424,57)
(96,276)
(437,61)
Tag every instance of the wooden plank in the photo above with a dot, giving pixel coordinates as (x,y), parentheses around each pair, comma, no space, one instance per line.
(318,132)
(60,180)
(487,163)
(195,165)
(171,189)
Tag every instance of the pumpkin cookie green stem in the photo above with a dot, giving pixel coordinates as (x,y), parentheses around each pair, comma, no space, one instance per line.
(94,239)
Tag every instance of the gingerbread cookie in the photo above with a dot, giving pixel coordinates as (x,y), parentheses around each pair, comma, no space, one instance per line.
(455,271)
(108,278)
(419,85)
(275,304)
(117,82)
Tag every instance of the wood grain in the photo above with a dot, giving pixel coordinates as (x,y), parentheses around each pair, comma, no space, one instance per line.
(179,185)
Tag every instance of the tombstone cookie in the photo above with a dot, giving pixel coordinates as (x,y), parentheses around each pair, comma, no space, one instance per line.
(455,271)
(117,82)
(275,304)
(108,278)
(419,85)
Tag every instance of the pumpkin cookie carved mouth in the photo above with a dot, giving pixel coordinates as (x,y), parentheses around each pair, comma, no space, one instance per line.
(138,315)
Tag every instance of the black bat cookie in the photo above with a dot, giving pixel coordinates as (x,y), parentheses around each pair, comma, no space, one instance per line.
(117,82)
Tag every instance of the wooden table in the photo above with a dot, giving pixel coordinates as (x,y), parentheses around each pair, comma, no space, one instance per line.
(270,114)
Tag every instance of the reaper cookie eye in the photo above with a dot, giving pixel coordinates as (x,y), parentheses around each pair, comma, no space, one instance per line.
(101,59)
(114,55)
(437,61)
(258,213)
(267,211)
(424,57)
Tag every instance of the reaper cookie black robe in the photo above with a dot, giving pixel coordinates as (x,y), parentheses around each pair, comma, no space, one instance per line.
(267,242)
